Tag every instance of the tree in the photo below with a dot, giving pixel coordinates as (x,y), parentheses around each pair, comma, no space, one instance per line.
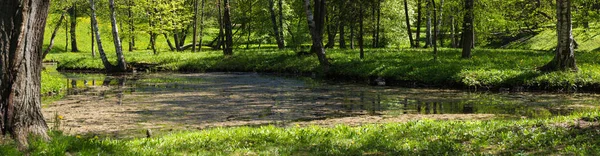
(62,16)
(361,41)
(228,50)
(73,19)
(315,26)
(276,30)
(121,65)
(564,60)
(195,27)
(410,38)
(467,34)
(21,37)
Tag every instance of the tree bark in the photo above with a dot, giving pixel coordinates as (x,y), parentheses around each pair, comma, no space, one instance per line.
(121,64)
(92,36)
(315,26)
(467,34)
(131,26)
(275,25)
(201,26)
(377,29)
(221,27)
(195,27)
(361,42)
(428,33)
(228,50)
(418,35)
(281,19)
(21,37)
(410,38)
(109,67)
(73,15)
(452,32)
(352,35)
(62,16)
(435,32)
(439,22)
(564,60)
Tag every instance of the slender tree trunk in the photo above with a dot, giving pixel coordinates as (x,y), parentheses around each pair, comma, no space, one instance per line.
(121,64)
(467,34)
(435,32)
(228,50)
(274,23)
(564,60)
(315,26)
(201,27)
(62,16)
(171,47)
(195,28)
(418,36)
(331,33)
(377,29)
(374,20)
(131,26)
(221,31)
(21,37)
(428,37)
(342,35)
(352,35)
(452,32)
(439,22)
(92,36)
(410,38)
(109,67)
(361,42)
(281,19)
(73,15)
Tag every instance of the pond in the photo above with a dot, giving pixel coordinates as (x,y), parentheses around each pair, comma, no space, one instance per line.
(99,103)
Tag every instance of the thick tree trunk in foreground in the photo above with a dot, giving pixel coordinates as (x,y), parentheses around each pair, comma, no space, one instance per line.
(72,31)
(62,17)
(410,38)
(564,60)
(228,49)
(275,25)
(315,25)
(467,34)
(121,65)
(21,37)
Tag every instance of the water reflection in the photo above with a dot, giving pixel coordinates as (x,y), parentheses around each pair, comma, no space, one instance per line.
(273,97)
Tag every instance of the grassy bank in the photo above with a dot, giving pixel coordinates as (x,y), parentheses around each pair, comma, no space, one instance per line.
(53,84)
(488,69)
(571,135)
(587,40)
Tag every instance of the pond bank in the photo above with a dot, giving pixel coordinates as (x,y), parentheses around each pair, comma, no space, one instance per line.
(493,70)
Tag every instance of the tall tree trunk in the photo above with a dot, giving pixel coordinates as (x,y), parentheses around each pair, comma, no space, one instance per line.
(564,60)
(62,16)
(452,31)
(435,32)
(109,67)
(228,50)
(342,35)
(221,31)
(21,37)
(121,64)
(439,22)
(281,18)
(275,26)
(361,42)
(377,29)
(410,38)
(92,36)
(342,19)
(331,32)
(315,26)
(418,36)
(428,33)
(467,34)
(73,15)
(171,46)
(201,27)
(352,35)
(195,27)
(131,26)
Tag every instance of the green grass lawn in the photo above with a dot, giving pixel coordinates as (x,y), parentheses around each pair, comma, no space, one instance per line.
(488,69)
(569,135)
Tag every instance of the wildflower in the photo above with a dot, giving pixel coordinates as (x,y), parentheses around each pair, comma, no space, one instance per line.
(60,117)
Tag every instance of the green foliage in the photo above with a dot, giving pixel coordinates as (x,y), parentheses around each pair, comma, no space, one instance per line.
(53,84)
(558,135)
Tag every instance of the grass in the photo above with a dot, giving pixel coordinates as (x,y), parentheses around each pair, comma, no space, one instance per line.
(545,40)
(559,135)
(54,85)
(488,69)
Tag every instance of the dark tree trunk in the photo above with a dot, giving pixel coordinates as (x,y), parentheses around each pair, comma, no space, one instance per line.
(418,36)
(195,27)
(281,18)
(342,35)
(331,32)
(73,16)
(564,60)
(361,42)
(171,46)
(121,64)
(435,32)
(342,18)
(377,28)
(131,26)
(452,32)
(201,26)
(228,50)
(221,27)
(439,22)
(410,38)
(92,36)
(352,35)
(275,25)
(62,17)
(315,25)
(428,33)
(467,34)
(21,37)
(109,67)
